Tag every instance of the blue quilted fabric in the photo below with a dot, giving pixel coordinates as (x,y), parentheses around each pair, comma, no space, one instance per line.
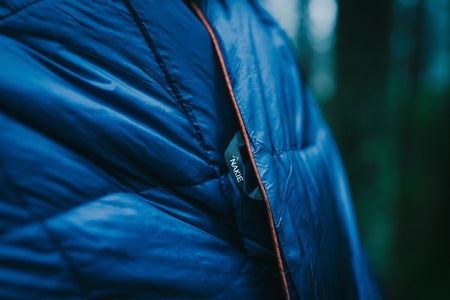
(114,119)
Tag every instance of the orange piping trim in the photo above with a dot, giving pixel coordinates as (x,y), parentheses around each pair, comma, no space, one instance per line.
(247,143)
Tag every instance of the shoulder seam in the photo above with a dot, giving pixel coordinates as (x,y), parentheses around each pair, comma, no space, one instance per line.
(186,108)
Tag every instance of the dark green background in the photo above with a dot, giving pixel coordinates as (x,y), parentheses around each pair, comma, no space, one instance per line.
(394,131)
(389,112)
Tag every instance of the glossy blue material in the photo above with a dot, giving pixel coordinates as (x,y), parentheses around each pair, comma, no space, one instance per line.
(114,118)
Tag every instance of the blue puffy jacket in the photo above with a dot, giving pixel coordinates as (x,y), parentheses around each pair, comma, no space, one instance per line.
(114,120)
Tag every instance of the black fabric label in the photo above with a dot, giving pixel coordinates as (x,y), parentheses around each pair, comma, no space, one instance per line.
(240,167)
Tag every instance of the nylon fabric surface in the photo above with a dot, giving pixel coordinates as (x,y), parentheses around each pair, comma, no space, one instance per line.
(114,118)
(312,202)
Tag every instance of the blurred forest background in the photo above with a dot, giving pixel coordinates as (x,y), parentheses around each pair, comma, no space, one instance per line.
(380,71)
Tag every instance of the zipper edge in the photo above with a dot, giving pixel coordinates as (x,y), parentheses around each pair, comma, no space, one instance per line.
(202,18)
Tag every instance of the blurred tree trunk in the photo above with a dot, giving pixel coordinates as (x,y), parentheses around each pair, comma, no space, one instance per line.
(358,116)
(421,111)
(393,131)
